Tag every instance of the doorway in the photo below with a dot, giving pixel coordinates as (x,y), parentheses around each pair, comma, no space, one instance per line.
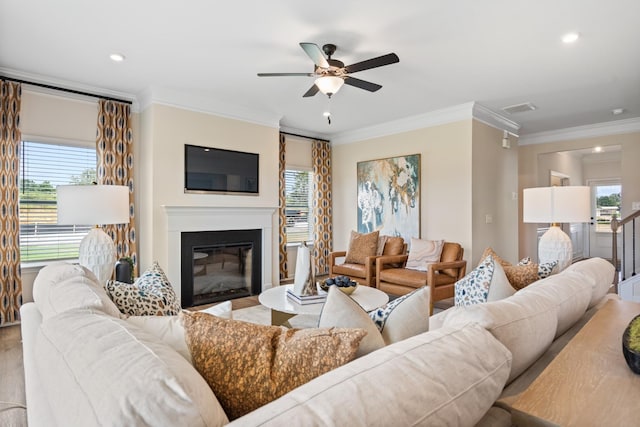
(606,197)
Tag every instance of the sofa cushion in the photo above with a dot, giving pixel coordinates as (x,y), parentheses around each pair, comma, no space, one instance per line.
(447,377)
(361,246)
(150,295)
(341,311)
(423,253)
(569,292)
(404,276)
(352,270)
(599,273)
(524,323)
(248,365)
(61,286)
(393,246)
(487,282)
(100,370)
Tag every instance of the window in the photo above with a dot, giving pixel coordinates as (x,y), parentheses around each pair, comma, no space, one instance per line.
(298,184)
(607,206)
(42,168)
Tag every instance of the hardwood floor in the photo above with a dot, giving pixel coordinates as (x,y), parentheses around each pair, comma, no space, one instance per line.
(12,398)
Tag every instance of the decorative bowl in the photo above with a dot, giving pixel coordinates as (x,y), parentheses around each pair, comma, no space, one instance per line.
(344,283)
(348,289)
(630,356)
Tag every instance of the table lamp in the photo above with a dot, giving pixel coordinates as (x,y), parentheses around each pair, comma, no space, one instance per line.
(556,205)
(94,204)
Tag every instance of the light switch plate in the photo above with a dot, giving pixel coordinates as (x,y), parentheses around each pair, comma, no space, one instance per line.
(635,206)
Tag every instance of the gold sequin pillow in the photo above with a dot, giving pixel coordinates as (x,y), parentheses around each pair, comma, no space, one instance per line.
(248,365)
(361,246)
(519,276)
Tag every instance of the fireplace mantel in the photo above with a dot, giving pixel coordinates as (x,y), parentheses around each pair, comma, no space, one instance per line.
(208,218)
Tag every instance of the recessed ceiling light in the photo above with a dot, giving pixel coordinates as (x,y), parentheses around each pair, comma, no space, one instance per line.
(326,114)
(597,149)
(617,111)
(117,57)
(570,37)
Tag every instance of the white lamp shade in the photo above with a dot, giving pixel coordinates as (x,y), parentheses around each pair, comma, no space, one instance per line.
(93,204)
(556,204)
(329,84)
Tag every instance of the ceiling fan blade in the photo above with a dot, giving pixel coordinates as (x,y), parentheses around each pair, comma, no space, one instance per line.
(285,74)
(390,58)
(362,84)
(312,91)
(316,55)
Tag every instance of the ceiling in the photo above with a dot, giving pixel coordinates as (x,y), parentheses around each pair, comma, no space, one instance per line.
(205,55)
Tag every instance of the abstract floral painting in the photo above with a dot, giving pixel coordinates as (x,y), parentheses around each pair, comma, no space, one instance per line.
(389,196)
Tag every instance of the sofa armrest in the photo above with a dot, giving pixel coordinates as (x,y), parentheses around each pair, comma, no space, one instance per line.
(461,266)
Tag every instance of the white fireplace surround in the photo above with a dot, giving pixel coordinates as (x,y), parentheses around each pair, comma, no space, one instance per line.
(205,218)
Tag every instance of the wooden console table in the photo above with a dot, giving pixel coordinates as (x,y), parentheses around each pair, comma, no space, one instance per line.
(589,382)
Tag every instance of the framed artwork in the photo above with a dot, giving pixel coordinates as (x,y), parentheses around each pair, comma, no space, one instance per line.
(389,196)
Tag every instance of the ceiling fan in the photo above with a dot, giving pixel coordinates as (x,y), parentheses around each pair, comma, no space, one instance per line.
(332,74)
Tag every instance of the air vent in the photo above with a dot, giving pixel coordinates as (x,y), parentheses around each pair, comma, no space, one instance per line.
(519,108)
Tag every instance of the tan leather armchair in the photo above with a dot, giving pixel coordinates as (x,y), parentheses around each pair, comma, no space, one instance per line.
(393,278)
(364,274)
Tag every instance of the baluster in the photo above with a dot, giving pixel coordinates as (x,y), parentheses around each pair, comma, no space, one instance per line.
(624,250)
(633,247)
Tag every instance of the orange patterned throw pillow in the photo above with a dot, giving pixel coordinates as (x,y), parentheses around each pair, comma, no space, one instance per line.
(520,276)
(361,246)
(249,365)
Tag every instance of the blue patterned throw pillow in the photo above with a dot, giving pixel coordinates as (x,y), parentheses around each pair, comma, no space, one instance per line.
(474,287)
(150,295)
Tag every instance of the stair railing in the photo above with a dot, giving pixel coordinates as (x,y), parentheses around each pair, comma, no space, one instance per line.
(621,264)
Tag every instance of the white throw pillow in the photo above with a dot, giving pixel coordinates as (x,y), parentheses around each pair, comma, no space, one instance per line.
(170,330)
(341,311)
(401,318)
(423,253)
(487,282)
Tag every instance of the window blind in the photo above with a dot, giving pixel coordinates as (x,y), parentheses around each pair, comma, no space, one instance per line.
(42,168)
(298,203)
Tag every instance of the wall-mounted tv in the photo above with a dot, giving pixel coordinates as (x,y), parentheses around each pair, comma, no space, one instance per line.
(214,170)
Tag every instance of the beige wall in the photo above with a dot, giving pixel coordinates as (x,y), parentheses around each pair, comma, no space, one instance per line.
(528,174)
(166,130)
(564,163)
(494,194)
(445,199)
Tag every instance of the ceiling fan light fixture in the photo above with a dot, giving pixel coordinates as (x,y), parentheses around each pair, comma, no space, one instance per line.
(329,85)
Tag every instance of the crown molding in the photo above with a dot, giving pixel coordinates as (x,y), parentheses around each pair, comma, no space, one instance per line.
(493,119)
(580,132)
(420,121)
(207,105)
(66,84)
(469,110)
(304,133)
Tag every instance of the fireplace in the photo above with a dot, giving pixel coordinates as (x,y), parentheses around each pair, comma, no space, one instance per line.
(199,219)
(220,265)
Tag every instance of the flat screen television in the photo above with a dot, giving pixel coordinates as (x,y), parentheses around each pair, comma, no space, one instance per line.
(214,170)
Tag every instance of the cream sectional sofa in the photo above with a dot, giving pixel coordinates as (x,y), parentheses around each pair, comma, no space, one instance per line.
(86,365)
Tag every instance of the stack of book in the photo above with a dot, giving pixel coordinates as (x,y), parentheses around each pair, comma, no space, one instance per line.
(306,299)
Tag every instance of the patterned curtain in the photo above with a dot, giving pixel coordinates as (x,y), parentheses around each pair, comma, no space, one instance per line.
(114,142)
(282,228)
(10,282)
(322,207)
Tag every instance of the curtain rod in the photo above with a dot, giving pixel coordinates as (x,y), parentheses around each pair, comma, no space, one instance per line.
(304,136)
(77,92)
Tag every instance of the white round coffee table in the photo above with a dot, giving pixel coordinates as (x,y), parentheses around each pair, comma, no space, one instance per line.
(283,308)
